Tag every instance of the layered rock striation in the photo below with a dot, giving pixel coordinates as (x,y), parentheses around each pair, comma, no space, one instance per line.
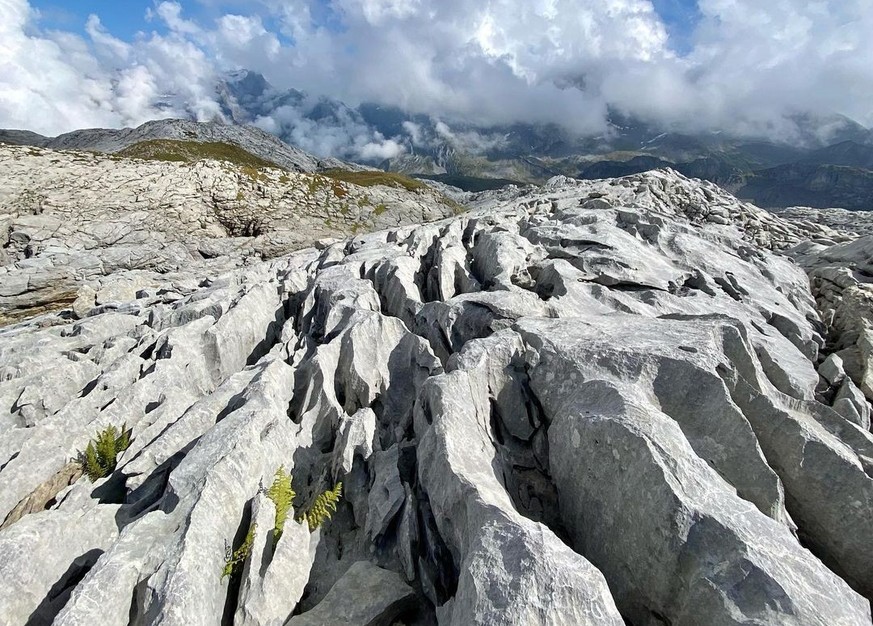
(589,403)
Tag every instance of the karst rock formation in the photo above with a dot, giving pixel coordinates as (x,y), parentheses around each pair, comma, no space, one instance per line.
(631,401)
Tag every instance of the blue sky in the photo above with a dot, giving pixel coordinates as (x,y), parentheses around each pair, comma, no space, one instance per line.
(125,18)
(680,17)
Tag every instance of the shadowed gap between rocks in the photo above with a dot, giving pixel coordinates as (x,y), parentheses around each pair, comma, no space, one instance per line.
(523,467)
(427,286)
(271,337)
(59,594)
(44,496)
(148,496)
(235,580)
(136,615)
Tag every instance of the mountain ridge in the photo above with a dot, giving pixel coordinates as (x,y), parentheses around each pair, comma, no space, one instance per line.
(249,138)
(416,144)
(531,154)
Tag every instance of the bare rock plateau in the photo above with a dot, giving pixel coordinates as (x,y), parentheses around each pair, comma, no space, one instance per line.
(629,401)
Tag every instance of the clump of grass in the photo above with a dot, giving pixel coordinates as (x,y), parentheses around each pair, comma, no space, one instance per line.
(371,178)
(338,189)
(315,183)
(457,209)
(254,173)
(193,151)
(101,456)
(380,209)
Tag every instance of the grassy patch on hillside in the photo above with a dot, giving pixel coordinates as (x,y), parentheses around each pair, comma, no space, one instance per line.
(371,178)
(193,151)
(473,183)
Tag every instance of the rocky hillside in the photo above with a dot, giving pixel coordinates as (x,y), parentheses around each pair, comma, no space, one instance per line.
(854,223)
(597,403)
(67,218)
(249,138)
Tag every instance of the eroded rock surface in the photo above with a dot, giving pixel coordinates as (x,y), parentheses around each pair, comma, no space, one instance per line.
(590,403)
(70,220)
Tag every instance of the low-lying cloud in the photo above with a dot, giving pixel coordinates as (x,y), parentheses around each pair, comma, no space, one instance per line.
(750,67)
(343,134)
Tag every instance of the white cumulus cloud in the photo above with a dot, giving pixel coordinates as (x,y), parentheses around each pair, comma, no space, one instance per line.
(750,65)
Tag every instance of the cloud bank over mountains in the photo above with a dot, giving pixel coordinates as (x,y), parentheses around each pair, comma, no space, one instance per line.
(748,67)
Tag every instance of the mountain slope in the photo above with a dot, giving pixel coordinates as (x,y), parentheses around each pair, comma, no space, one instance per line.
(819,186)
(69,217)
(415,144)
(847,153)
(249,138)
(193,151)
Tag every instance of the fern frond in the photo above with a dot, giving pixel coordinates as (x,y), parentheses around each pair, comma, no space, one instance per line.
(122,443)
(99,458)
(323,507)
(282,495)
(106,443)
(233,560)
(90,464)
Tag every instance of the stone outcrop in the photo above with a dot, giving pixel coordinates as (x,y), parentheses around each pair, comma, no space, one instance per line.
(840,279)
(70,220)
(588,403)
(853,223)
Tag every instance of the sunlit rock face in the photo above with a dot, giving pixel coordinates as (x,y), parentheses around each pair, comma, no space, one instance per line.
(70,219)
(594,402)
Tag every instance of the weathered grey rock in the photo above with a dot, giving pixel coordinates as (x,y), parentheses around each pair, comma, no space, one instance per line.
(276,574)
(601,418)
(460,467)
(832,369)
(356,438)
(844,295)
(125,566)
(850,224)
(70,218)
(501,578)
(386,494)
(851,404)
(582,404)
(379,596)
(68,544)
(85,301)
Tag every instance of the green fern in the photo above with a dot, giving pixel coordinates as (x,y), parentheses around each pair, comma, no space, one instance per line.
(282,495)
(323,507)
(100,457)
(233,559)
